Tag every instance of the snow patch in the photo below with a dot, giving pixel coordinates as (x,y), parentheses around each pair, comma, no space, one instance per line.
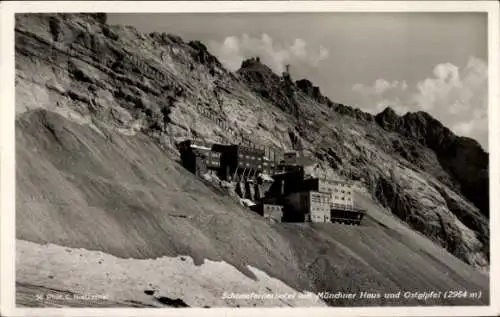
(97,273)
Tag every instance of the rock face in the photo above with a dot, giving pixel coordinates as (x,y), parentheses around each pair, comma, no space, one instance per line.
(463,158)
(100,108)
(271,87)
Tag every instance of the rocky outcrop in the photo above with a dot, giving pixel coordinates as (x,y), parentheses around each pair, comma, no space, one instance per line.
(463,158)
(312,91)
(273,88)
(201,55)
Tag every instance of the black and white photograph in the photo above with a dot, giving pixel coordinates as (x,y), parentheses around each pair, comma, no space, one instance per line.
(231,156)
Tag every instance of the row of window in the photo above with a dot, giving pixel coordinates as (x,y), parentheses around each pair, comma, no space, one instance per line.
(322,209)
(342,191)
(248,164)
(250,157)
(343,198)
(321,200)
(320,218)
(342,206)
(213,163)
(267,171)
(249,149)
(335,184)
(318,198)
(273,208)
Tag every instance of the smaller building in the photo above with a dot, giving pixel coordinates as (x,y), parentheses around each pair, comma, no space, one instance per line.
(274,213)
(270,211)
(268,166)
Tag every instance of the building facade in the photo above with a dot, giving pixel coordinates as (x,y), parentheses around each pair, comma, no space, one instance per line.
(210,158)
(198,157)
(268,166)
(342,194)
(273,213)
(250,158)
(269,210)
(237,160)
(307,206)
(290,158)
(347,216)
(287,180)
(319,206)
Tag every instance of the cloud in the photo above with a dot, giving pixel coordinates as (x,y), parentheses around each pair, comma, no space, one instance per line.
(458,97)
(380,87)
(233,50)
(381,94)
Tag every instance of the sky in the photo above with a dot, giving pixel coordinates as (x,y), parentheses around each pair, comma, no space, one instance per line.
(433,62)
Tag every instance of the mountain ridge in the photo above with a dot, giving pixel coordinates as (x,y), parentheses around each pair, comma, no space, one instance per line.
(118,100)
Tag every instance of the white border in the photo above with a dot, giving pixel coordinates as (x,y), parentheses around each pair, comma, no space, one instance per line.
(7,171)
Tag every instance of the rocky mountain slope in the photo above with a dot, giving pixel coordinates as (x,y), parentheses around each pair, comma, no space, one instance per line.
(99,108)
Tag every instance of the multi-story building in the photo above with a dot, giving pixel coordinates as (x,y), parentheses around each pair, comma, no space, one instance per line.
(313,199)
(307,206)
(239,160)
(342,193)
(342,206)
(227,160)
